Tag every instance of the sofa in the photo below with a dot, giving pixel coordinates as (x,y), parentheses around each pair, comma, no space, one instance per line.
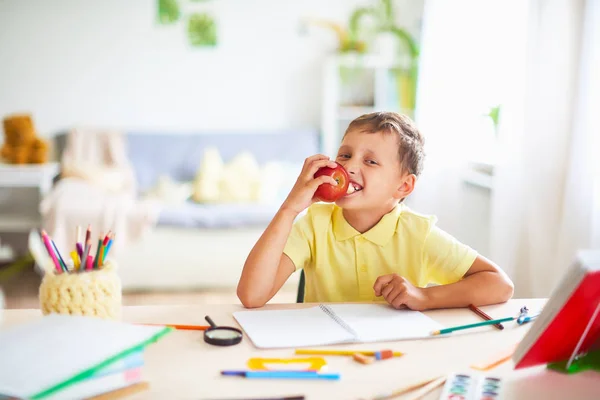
(196,245)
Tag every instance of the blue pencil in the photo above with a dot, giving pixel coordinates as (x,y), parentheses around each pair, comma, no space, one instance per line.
(282,374)
(62,262)
(107,249)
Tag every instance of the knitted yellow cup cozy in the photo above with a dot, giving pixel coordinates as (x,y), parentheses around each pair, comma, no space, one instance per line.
(93,293)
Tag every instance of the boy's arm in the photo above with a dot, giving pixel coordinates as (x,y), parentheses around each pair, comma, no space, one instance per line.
(484,283)
(267,267)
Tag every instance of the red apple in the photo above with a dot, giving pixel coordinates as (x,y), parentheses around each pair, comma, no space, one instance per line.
(330,193)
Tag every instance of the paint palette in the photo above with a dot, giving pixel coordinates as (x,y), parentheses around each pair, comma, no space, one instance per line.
(471,387)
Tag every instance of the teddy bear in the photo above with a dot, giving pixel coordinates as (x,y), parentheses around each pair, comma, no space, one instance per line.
(21,143)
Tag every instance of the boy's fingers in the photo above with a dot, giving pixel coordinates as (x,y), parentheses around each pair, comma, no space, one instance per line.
(310,160)
(316,165)
(315,157)
(398,302)
(394,294)
(381,282)
(387,290)
(315,183)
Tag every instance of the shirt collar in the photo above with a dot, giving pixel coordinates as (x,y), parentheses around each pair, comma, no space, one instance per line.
(380,234)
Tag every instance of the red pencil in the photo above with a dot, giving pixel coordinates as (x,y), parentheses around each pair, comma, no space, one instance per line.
(88,233)
(484,316)
(107,238)
(183,327)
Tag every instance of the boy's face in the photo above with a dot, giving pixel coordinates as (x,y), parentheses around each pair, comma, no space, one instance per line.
(371,160)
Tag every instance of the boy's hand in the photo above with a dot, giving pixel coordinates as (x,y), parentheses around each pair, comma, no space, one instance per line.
(302,194)
(400,293)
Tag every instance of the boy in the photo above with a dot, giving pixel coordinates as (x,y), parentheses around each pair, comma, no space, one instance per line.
(369,246)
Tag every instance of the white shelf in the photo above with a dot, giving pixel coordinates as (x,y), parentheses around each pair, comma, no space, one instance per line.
(28,175)
(479,179)
(348,113)
(365,61)
(374,84)
(37,176)
(18,223)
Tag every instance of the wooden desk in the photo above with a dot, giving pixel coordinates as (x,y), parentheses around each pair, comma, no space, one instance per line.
(182,366)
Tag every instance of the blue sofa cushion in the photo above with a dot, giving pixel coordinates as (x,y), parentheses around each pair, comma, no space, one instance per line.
(179,155)
(207,216)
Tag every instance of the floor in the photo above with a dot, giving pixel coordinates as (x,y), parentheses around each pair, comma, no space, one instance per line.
(21,291)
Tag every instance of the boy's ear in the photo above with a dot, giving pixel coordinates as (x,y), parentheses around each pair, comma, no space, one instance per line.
(407,186)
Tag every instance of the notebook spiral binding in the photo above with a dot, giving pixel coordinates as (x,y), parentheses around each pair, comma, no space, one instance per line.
(339,321)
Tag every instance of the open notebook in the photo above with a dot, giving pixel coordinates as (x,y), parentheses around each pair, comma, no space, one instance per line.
(333,323)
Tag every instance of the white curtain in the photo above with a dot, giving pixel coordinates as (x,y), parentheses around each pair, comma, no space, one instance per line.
(467,48)
(546,201)
(539,59)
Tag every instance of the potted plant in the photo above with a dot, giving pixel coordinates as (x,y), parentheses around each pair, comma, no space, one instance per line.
(391,42)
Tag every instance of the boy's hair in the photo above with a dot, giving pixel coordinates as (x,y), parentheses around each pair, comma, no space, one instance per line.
(410,141)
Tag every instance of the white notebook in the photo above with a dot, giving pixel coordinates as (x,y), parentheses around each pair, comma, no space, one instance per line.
(333,323)
(48,355)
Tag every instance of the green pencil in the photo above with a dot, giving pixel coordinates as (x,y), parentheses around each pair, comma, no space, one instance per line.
(475,325)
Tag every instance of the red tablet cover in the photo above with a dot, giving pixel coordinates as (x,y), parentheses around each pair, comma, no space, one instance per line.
(558,339)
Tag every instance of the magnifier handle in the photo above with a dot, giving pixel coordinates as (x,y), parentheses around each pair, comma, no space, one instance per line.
(210,321)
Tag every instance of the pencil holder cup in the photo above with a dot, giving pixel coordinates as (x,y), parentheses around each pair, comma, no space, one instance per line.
(91,293)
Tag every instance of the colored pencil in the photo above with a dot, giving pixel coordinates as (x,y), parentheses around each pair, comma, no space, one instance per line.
(79,248)
(182,327)
(88,233)
(62,262)
(483,315)
(341,352)
(108,245)
(98,250)
(107,238)
(107,248)
(78,241)
(406,389)
(478,324)
(282,374)
(425,390)
(75,258)
(50,251)
(86,254)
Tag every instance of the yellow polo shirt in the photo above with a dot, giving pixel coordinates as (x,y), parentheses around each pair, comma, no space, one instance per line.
(341,264)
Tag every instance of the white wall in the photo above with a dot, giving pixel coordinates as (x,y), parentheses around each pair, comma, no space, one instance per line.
(107,63)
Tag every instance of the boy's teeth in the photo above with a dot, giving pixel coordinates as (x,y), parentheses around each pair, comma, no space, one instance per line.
(350,189)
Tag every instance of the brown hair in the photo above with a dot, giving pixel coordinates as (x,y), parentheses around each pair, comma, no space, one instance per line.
(410,141)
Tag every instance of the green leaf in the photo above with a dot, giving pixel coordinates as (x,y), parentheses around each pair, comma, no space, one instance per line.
(202,30)
(388,12)
(356,18)
(168,11)
(407,39)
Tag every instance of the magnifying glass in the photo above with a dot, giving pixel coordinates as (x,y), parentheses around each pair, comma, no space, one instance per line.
(221,335)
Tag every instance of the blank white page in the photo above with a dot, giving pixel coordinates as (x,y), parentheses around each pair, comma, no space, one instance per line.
(38,355)
(380,322)
(291,328)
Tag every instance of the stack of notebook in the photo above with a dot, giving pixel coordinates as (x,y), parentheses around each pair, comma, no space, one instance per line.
(68,357)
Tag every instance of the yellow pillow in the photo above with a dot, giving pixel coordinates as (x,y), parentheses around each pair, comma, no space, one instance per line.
(238,181)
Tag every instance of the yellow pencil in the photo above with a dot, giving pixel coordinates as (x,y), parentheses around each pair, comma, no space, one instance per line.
(75,258)
(341,352)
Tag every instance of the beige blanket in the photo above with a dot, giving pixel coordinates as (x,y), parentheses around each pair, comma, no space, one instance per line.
(97,188)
